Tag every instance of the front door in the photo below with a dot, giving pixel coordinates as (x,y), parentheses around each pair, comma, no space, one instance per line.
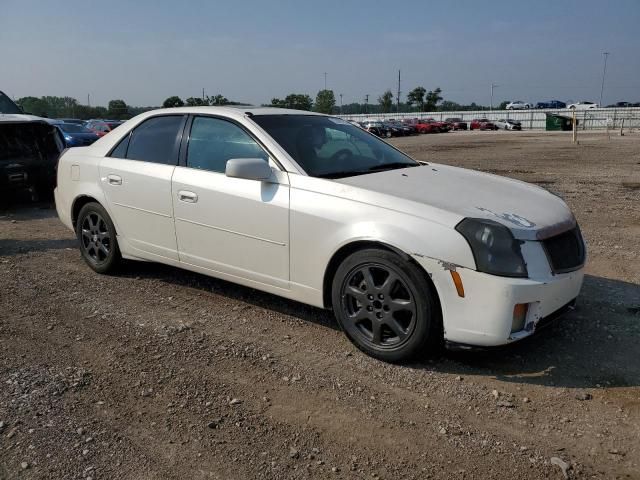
(230,225)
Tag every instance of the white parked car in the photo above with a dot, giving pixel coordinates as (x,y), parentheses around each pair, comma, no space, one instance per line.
(314,209)
(508,124)
(518,105)
(582,105)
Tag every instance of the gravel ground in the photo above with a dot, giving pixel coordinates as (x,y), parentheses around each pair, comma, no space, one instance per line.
(159,373)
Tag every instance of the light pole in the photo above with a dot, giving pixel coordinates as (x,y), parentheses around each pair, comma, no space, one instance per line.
(604,72)
(493,85)
(325,80)
(366,103)
(340,104)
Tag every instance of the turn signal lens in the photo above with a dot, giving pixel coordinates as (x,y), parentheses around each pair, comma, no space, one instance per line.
(457,281)
(519,317)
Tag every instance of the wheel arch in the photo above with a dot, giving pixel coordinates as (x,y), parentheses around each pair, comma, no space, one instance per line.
(79,202)
(345,250)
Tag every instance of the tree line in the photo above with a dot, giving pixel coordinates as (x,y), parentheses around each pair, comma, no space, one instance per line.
(68,107)
(418,100)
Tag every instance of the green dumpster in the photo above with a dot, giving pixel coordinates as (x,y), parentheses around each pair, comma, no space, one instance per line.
(558,122)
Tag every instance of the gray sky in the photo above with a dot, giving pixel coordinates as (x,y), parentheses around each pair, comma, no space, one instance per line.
(145,51)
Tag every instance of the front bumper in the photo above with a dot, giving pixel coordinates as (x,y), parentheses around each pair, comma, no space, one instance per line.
(485,315)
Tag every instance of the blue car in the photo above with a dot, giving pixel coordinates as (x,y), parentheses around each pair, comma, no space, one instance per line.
(551,104)
(76,135)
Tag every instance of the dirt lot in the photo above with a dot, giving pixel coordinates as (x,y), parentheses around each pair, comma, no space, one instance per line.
(160,373)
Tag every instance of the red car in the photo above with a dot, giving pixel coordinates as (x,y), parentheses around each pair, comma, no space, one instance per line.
(425,126)
(101,127)
(419,125)
(456,123)
(441,126)
(482,124)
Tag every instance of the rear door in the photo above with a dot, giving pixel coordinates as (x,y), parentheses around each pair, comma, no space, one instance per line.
(234,226)
(136,179)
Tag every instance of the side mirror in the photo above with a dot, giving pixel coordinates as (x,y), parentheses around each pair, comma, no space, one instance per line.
(248,168)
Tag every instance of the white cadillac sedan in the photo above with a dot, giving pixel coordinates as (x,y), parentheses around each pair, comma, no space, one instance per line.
(314,209)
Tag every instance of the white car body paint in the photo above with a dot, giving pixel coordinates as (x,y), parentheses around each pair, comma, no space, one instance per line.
(518,105)
(583,106)
(280,235)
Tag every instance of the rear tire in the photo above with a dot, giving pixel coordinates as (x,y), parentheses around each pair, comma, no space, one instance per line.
(97,238)
(386,306)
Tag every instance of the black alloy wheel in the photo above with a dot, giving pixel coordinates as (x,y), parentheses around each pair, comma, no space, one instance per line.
(386,306)
(97,237)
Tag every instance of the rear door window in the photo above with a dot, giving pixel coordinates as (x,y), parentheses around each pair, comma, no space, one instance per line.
(156,140)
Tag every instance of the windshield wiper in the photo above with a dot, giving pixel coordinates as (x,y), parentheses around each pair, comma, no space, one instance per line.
(392,166)
(375,168)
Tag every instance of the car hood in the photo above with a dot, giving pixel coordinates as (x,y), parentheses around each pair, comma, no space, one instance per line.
(529,211)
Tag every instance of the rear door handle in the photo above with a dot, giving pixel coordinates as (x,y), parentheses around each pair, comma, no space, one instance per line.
(114,179)
(189,197)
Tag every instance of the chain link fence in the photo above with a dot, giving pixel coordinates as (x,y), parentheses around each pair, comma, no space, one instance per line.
(594,119)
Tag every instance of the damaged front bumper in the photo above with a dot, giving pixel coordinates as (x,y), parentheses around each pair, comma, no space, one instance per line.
(495,310)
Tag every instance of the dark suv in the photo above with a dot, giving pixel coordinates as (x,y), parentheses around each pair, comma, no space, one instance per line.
(29,151)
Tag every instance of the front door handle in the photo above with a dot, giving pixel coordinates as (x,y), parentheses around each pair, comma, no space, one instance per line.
(189,197)
(114,179)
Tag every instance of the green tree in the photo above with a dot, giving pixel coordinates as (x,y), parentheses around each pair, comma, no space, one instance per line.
(172,102)
(196,102)
(118,109)
(386,101)
(416,98)
(296,101)
(218,100)
(503,105)
(325,101)
(33,105)
(432,99)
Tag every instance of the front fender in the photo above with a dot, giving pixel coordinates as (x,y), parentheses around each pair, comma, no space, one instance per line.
(321,225)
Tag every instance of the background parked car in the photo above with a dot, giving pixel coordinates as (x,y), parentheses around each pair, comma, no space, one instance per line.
(518,105)
(77,121)
(425,126)
(378,129)
(508,124)
(102,127)
(621,105)
(583,106)
(29,150)
(456,123)
(441,126)
(404,129)
(551,104)
(396,131)
(76,135)
(482,124)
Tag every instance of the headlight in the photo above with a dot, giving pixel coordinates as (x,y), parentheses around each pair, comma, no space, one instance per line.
(494,248)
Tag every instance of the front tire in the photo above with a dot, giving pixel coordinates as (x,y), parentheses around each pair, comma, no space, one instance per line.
(386,306)
(97,238)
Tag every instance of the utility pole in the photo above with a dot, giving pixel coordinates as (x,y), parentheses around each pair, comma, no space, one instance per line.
(366,103)
(398,97)
(493,85)
(88,100)
(203,94)
(340,104)
(325,80)
(604,72)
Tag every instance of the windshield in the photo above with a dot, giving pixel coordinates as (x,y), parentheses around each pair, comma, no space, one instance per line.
(74,128)
(330,147)
(7,105)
